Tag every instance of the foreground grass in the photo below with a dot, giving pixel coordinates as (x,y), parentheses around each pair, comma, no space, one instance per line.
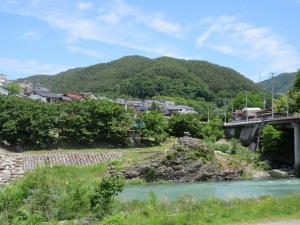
(217,212)
(50,195)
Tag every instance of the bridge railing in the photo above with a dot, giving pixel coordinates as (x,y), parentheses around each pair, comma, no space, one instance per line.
(240,122)
(257,120)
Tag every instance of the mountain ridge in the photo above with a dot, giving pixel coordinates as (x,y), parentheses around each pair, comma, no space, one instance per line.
(142,77)
(282,83)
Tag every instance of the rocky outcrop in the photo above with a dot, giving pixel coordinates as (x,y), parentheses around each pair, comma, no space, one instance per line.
(13,166)
(189,160)
(277,173)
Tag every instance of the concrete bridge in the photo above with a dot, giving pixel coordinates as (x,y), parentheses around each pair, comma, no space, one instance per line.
(249,131)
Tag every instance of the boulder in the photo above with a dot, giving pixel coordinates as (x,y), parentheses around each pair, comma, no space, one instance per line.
(279,173)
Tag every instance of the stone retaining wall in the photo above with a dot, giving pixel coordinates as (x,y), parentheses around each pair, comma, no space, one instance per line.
(13,166)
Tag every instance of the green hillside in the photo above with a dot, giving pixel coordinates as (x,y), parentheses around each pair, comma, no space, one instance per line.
(141,77)
(282,83)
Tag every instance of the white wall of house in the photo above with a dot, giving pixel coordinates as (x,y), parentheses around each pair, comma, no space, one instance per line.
(37,97)
(3,91)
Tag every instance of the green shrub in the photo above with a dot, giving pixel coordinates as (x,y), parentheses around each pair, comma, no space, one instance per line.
(180,123)
(200,152)
(155,126)
(270,138)
(101,199)
(151,174)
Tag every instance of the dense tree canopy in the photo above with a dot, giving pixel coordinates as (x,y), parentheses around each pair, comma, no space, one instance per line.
(297,80)
(141,77)
(34,124)
(13,88)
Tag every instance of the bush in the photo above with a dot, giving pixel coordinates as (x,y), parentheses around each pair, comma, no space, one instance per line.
(213,130)
(180,123)
(270,138)
(101,200)
(155,126)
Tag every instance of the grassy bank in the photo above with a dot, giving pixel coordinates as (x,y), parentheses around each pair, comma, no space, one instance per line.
(217,212)
(50,195)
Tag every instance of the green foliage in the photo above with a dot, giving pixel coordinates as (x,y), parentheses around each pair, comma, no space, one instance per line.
(254,100)
(47,194)
(215,212)
(200,152)
(101,200)
(297,80)
(13,88)
(150,174)
(34,124)
(270,138)
(180,123)
(155,126)
(142,77)
(213,130)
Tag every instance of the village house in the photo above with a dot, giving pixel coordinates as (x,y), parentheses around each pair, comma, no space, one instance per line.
(250,113)
(3,80)
(3,91)
(44,95)
(169,110)
(135,105)
(73,96)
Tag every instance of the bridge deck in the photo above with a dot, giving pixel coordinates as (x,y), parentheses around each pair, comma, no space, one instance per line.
(290,119)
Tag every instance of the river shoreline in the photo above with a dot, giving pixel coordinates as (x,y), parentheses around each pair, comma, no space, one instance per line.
(217,189)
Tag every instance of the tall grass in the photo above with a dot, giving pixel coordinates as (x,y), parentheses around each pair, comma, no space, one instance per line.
(186,211)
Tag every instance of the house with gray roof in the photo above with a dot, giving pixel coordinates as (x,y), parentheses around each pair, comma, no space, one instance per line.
(3,91)
(43,95)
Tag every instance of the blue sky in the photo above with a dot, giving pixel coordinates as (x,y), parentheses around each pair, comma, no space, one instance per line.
(48,36)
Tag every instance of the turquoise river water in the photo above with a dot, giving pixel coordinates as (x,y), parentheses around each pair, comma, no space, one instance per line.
(220,190)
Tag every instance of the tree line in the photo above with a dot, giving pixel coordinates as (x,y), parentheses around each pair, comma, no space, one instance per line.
(28,124)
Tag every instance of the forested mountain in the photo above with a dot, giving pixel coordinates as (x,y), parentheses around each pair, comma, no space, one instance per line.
(282,83)
(141,77)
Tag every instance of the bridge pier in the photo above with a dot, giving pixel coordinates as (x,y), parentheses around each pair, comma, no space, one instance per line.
(296,144)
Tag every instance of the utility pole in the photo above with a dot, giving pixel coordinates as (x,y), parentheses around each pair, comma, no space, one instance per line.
(247,106)
(272,95)
(208,115)
(287,106)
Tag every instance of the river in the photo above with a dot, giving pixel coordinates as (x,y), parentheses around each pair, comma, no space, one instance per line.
(220,190)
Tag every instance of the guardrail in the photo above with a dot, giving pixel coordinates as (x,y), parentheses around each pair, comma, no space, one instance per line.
(259,120)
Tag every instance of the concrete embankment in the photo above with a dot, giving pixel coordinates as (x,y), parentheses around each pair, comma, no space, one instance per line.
(13,166)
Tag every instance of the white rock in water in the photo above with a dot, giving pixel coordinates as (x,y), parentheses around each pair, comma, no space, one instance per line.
(279,173)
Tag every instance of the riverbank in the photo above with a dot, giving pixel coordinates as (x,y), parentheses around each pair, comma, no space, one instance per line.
(51,195)
(214,212)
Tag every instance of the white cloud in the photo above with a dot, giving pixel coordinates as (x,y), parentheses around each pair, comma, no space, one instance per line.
(31,35)
(166,27)
(228,35)
(117,23)
(84,5)
(119,11)
(84,51)
(30,66)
